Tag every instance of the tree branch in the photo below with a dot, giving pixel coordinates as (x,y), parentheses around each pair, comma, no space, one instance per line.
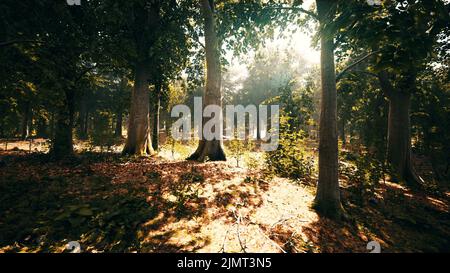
(351,66)
(308,12)
(8,43)
(195,39)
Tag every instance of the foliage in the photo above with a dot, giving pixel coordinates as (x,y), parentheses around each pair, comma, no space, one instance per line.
(186,190)
(179,149)
(102,134)
(291,159)
(364,173)
(238,148)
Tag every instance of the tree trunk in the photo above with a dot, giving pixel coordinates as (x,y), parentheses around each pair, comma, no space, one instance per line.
(52,124)
(119,122)
(83,132)
(62,145)
(399,138)
(399,132)
(210,149)
(138,139)
(25,129)
(42,128)
(156,117)
(2,128)
(327,201)
(342,132)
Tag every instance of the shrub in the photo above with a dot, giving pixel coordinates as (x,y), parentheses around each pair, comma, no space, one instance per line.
(238,148)
(291,159)
(364,173)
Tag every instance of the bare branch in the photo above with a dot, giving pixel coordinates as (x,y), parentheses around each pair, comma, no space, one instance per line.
(238,224)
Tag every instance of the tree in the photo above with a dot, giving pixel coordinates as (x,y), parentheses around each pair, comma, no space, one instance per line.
(402,35)
(134,35)
(221,29)
(144,21)
(55,48)
(328,200)
(210,149)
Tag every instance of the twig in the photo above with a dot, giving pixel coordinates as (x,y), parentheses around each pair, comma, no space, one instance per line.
(268,238)
(222,249)
(238,223)
(284,220)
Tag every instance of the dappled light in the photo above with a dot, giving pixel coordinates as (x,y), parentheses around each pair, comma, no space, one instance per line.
(206,126)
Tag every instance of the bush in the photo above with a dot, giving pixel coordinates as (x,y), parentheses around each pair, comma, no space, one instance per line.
(291,159)
(364,173)
(179,149)
(238,148)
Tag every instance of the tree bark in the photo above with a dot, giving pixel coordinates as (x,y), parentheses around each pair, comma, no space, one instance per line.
(210,149)
(399,131)
(156,117)
(119,122)
(145,22)
(62,144)
(25,129)
(139,140)
(342,132)
(83,132)
(42,128)
(2,128)
(327,201)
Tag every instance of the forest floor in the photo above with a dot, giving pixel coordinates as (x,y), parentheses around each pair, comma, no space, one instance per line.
(109,203)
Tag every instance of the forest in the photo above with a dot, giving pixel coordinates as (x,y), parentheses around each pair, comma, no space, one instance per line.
(340,142)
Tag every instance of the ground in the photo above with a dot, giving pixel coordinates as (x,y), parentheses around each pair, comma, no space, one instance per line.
(109,203)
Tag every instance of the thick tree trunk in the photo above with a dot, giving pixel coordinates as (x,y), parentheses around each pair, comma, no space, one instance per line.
(399,132)
(210,149)
(62,144)
(26,116)
(327,201)
(139,140)
(399,138)
(156,117)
